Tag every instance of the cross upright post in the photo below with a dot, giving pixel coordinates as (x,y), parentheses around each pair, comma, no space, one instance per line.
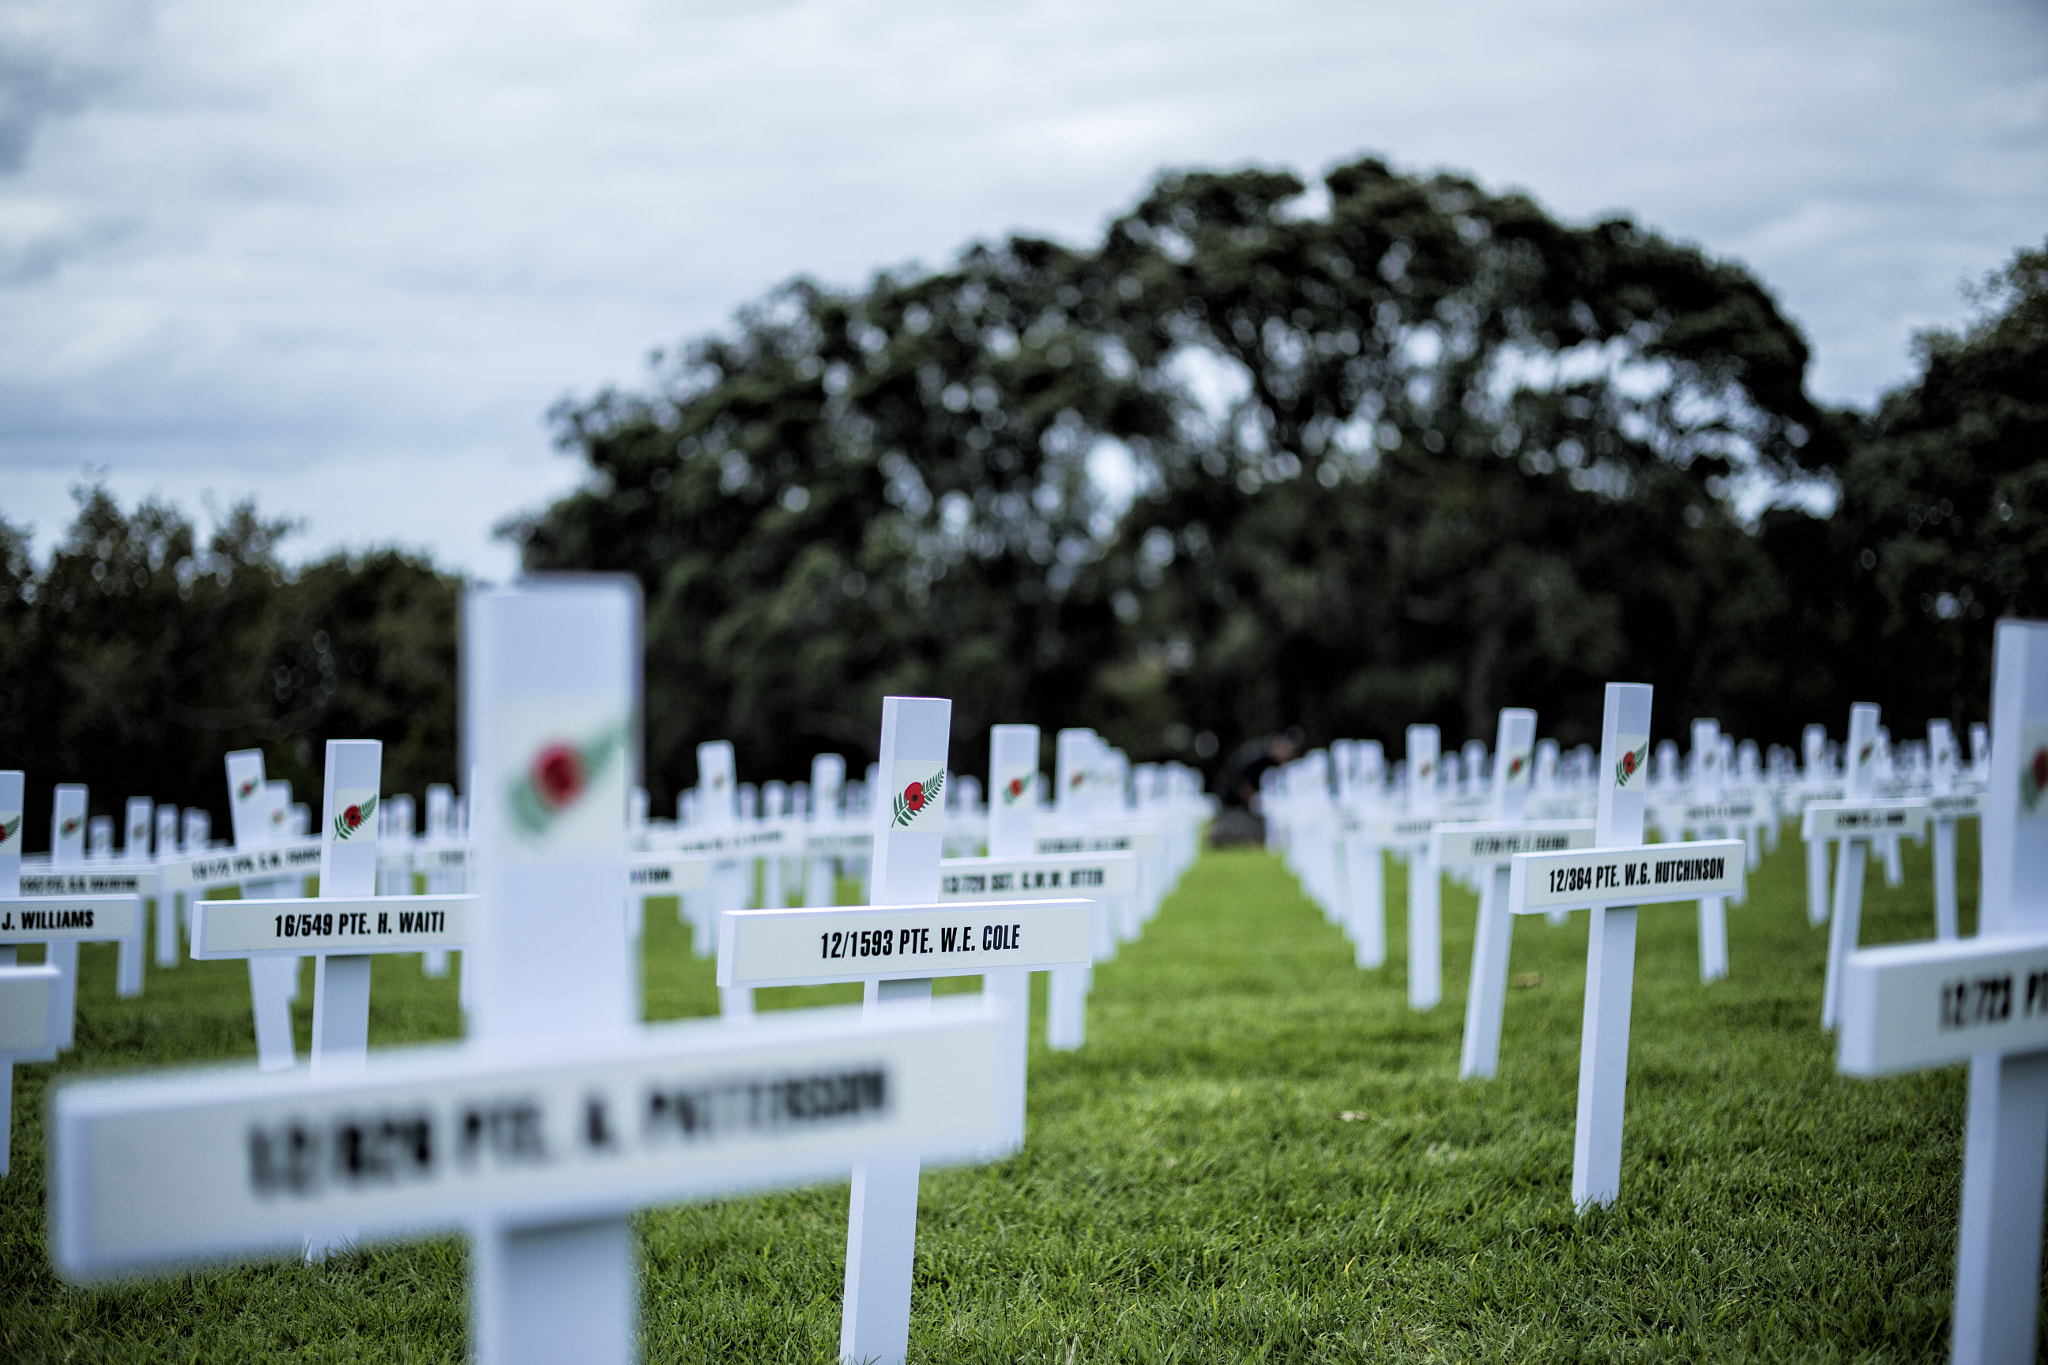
(881,1233)
(1012,766)
(1813,771)
(551,686)
(1949,801)
(25,1006)
(167,901)
(1425,889)
(1707,790)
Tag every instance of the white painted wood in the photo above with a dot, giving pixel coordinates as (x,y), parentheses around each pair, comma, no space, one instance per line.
(272,980)
(551,721)
(166,1169)
(1848,822)
(1489,847)
(167,902)
(25,992)
(805,947)
(67,854)
(1907,1006)
(909,822)
(1425,886)
(1012,807)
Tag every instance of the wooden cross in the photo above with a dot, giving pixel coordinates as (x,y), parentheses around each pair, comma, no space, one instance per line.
(1612,878)
(1984,1000)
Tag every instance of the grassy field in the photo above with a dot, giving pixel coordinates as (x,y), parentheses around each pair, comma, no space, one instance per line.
(1262,1154)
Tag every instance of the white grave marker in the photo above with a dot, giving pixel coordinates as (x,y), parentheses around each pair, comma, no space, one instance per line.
(1985,1001)
(1948,802)
(1614,877)
(1487,847)
(1425,887)
(1853,823)
(26,1004)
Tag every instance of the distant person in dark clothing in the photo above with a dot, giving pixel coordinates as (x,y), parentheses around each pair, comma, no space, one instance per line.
(1240,821)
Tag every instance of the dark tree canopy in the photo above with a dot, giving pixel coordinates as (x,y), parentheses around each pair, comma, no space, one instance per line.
(138,656)
(1400,450)
(1419,455)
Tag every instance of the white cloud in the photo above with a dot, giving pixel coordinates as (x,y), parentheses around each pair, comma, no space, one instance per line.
(343,255)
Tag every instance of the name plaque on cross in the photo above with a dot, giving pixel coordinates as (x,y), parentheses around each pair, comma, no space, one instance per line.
(337,924)
(1646,874)
(1860,819)
(800,947)
(299,857)
(126,882)
(1107,874)
(659,873)
(40,919)
(1912,1005)
(1957,805)
(155,1171)
(1498,841)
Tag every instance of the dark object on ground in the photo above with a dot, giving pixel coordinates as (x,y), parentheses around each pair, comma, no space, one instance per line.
(1236,827)
(1239,783)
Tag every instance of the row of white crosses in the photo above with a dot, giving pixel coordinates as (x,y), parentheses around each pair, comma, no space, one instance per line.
(1983,1001)
(39,1003)
(561,1113)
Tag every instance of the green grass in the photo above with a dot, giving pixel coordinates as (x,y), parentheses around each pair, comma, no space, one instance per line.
(1189,1190)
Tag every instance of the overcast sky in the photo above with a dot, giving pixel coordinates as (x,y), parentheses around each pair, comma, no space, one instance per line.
(343,254)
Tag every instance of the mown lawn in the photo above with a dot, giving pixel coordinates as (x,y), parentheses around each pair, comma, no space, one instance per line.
(1262,1153)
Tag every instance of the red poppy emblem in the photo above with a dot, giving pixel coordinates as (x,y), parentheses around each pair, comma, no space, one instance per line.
(1628,764)
(558,775)
(2041,767)
(1016,788)
(913,796)
(353,816)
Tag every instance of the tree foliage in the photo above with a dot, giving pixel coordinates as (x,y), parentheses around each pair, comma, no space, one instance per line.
(1417,455)
(1399,449)
(141,653)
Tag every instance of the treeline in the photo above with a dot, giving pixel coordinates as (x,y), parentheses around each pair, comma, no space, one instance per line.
(141,652)
(1413,455)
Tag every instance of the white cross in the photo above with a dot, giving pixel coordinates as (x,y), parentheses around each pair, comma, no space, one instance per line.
(68,910)
(1985,1001)
(1614,877)
(1486,848)
(1949,800)
(562,1113)
(896,946)
(27,1006)
(348,923)
(1852,824)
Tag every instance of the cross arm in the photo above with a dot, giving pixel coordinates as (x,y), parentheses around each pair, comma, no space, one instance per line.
(1907,1006)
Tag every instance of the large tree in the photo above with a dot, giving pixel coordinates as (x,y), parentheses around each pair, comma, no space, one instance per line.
(1418,454)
